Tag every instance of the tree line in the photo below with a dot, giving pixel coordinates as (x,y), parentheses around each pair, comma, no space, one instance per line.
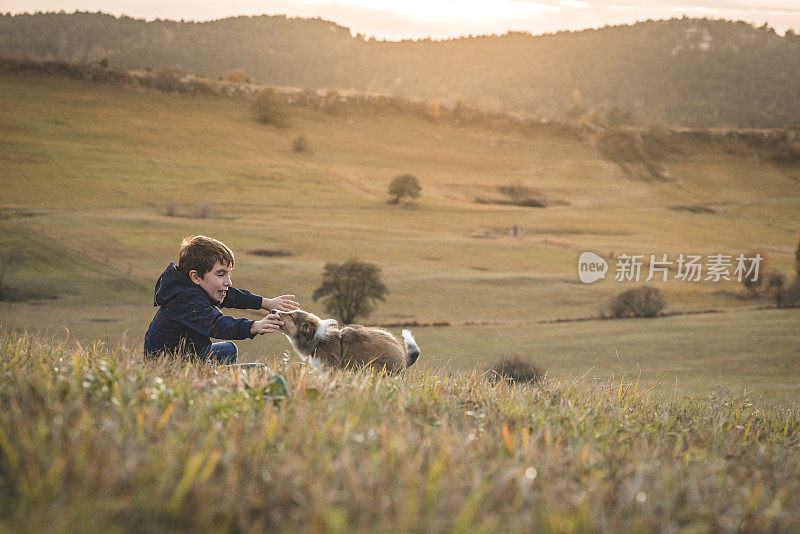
(686,72)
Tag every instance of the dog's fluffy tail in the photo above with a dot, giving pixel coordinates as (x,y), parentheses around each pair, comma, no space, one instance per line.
(412,350)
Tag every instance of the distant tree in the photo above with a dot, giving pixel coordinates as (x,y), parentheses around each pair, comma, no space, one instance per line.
(10,260)
(405,185)
(269,108)
(350,289)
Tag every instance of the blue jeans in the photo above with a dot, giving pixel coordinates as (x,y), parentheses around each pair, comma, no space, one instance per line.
(222,353)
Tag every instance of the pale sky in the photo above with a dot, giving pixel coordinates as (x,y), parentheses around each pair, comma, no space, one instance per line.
(402,19)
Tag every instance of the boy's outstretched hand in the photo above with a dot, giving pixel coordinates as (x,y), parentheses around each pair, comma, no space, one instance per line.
(267,325)
(282,303)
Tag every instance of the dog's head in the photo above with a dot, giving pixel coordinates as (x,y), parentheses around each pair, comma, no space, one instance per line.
(302,327)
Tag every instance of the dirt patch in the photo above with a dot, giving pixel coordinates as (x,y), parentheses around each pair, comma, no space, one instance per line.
(270,253)
(526,203)
(515,195)
(17,294)
(630,150)
(398,324)
(693,209)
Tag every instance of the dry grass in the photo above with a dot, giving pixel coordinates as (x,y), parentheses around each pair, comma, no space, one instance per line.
(93,437)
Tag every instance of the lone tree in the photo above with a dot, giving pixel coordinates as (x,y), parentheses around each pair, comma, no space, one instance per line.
(404,185)
(350,289)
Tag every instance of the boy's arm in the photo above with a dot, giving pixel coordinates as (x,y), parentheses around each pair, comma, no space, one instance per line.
(241,299)
(196,313)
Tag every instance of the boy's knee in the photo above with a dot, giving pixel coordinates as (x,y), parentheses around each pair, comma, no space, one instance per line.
(224,353)
(234,352)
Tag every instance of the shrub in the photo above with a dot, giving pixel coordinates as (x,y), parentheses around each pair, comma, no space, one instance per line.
(204,210)
(775,280)
(269,108)
(433,109)
(272,253)
(520,195)
(171,210)
(787,152)
(797,258)
(10,260)
(638,302)
(515,370)
(301,144)
(576,112)
(167,80)
(201,210)
(788,296)
(405,185)
(753,281)
(236,76)
(617,117)
(350,289)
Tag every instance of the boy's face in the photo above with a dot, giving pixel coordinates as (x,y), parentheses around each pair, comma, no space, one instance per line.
(215,282)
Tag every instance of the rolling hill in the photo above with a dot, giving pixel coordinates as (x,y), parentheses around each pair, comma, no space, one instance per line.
(686,72)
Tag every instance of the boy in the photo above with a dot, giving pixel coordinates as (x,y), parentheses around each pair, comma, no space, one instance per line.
(190,294)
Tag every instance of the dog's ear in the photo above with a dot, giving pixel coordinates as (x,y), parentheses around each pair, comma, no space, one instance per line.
(307,331)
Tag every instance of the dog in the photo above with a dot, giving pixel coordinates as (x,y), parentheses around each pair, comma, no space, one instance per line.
(351,346)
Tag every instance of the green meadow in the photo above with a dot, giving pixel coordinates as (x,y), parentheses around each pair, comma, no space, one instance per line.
(93,438)
(100,183)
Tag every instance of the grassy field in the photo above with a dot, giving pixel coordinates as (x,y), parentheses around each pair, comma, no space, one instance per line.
(88,172)
(94,438)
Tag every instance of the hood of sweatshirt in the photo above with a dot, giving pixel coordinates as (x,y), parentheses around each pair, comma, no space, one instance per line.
(172,283)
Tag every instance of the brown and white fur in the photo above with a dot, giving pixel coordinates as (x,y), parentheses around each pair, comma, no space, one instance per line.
(351,346)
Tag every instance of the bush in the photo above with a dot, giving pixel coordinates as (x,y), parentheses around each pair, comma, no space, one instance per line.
(797,258)
(433,109)
(775,280)
(204,210)
(753,281)
(171,210)
(166,80)
(10,260)
(272,253)
(236,76)
(269,108)
(301,144)
(639,302)
(200,210)
(788,296)
(515,370)
(405,185)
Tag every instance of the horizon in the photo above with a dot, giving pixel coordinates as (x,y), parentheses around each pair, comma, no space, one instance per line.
(439,20)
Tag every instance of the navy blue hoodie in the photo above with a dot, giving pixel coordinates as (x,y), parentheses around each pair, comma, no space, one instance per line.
(188,317)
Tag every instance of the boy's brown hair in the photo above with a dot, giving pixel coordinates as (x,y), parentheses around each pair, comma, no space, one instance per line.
(200,253)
